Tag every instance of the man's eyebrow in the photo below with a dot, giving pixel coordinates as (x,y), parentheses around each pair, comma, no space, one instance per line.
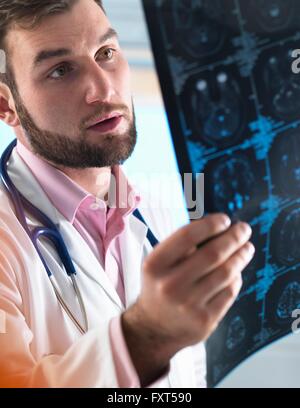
(44,55)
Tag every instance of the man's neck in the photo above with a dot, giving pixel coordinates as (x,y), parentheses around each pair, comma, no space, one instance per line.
(95,181)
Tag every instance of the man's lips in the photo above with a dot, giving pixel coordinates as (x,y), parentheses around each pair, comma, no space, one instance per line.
(107,125)
(104,118)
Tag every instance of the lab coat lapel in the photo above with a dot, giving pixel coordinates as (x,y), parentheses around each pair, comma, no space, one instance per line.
(84,258)
(28,186)
(79,250)
(131,247)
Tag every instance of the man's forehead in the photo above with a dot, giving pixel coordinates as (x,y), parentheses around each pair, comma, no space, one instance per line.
(59,31)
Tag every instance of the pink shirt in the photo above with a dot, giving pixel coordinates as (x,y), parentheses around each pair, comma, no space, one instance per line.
(100,227)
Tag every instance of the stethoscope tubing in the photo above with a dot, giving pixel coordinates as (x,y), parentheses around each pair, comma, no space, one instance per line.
(50,232)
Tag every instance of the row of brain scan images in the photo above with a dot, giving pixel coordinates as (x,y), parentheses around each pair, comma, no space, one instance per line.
(238,104)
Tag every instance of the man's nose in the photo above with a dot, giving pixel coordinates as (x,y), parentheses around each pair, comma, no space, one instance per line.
(99,85)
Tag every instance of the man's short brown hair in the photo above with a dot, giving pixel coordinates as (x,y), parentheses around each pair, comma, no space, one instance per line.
(27,14)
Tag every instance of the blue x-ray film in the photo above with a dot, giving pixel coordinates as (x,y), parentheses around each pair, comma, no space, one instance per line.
(233,104)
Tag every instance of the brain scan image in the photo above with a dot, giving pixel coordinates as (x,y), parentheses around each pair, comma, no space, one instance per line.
(233,182)
(233,105)
(198,34)
(236,333)
(282,299)
(288,249)
(284,87)
(288,301)
(285,156)
(273,15)
(220,119)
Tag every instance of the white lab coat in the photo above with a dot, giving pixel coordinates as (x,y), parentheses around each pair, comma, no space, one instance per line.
(42,347)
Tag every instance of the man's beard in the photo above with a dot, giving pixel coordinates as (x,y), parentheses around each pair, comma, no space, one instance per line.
(79,154)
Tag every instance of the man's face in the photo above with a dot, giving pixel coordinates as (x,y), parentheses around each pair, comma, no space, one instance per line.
(61,93)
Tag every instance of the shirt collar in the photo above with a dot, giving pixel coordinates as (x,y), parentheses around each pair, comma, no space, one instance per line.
(68,197)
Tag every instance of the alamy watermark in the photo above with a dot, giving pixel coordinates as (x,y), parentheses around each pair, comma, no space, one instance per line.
(296,63)
(296,322)
(159,190)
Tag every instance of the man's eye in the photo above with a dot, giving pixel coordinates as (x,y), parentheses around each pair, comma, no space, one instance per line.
(108,53)
(62,70)
(59,72)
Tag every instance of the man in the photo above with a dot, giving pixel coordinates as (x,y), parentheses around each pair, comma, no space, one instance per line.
(66,94)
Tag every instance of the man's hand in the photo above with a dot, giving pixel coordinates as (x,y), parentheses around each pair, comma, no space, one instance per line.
(188,286)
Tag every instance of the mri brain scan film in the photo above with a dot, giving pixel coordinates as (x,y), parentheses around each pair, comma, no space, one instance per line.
(233,103)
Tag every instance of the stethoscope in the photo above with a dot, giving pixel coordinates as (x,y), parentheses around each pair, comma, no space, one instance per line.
(50,232)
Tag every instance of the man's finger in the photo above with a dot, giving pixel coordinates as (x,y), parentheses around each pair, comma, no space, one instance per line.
(209,286)
(212,255)
(175,248)
(222,302)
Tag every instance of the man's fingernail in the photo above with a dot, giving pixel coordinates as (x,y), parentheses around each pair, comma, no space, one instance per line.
(226,221)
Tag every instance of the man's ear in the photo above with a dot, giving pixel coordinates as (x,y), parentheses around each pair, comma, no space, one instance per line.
(7,107)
